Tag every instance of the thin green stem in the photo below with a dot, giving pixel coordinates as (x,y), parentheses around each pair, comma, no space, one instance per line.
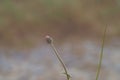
(101,54)
(50,41)
(61,61)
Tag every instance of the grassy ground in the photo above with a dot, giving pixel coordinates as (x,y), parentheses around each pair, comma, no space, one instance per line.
(26,22)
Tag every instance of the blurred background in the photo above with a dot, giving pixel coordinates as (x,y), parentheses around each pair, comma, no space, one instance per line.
(77,28)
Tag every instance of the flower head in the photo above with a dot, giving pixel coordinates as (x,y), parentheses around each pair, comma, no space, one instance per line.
(49,39)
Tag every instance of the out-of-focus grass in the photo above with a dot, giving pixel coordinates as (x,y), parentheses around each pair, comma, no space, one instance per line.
(23,22)
(101,54)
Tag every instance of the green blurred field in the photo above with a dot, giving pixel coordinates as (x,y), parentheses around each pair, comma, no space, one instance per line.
(77,29)
(25,22)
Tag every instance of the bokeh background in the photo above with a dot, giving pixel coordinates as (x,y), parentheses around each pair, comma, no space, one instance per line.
(77,28)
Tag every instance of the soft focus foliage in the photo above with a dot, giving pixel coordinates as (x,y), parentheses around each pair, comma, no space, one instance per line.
(23,22)
(76,27)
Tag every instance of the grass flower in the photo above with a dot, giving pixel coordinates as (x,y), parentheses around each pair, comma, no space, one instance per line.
(49,40)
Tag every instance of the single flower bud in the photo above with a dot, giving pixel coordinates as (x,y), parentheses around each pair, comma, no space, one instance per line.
(49,39)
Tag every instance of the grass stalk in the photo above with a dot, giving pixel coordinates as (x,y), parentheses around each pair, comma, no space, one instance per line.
(101,54)
(50,41)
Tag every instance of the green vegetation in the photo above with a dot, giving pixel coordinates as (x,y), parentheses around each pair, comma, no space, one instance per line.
(23,20)
(101,54)
(50,41)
